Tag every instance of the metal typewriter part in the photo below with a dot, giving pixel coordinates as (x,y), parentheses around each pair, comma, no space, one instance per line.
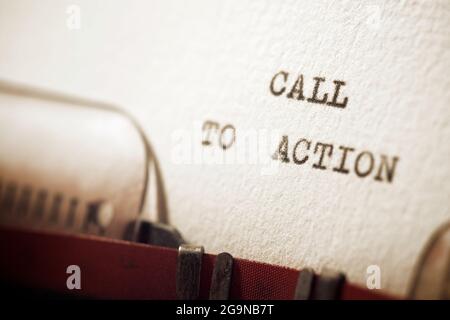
(432,277)
(78,166)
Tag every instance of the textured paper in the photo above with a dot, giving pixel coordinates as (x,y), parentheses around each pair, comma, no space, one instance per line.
(174,64)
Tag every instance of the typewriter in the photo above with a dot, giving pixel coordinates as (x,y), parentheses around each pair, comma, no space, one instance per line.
(239,150)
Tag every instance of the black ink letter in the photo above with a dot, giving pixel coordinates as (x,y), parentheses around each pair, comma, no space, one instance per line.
(233,136)
(282,150)
(369,170)
(207,127)
(294,153)
(342,168)
(324,148)
(314,98)
(390,171)
(334,102)
(280,92)
(297,89)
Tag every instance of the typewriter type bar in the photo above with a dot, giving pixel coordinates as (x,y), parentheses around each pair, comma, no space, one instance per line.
(189,266)
(221,277)
(328,286)
(305,284)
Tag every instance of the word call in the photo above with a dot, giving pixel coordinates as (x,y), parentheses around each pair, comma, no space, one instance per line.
(294,88)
